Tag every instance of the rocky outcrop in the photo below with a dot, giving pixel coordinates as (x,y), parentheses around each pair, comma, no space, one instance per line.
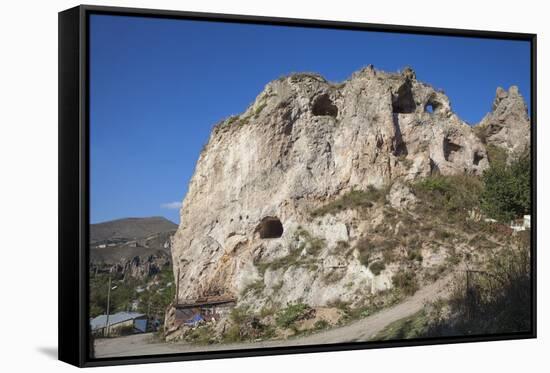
(247,230)
(508,125)
(400,196)
(141,267)
(138,259)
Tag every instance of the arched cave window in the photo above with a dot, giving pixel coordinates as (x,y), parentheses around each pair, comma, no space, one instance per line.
(449,149)
(270,227)
(432,106)
(403,100)
(477,158)
(323,105)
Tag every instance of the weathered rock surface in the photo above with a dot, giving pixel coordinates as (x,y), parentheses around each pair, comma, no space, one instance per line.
(400,196)
(246,230)
(508,125)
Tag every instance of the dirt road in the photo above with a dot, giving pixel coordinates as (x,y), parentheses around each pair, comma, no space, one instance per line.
(361,330)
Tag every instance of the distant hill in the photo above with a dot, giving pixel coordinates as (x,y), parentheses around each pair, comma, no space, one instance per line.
(157,245)
(136,253)
(129,229)
(119,242)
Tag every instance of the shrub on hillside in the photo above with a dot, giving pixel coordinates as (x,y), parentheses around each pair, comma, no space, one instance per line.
(355,199)
(405,281)
(507,192)
(377,267)
(452,195)
(497,300)
(288,316)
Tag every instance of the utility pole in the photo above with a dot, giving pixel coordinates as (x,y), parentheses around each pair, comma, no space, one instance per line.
(468,300)
(108,305)
(177,287)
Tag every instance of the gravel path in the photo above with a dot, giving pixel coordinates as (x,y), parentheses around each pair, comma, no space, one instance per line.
(361,330)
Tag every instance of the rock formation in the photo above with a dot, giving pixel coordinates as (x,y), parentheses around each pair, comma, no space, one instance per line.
(132,247)
(507,126)
(247,230)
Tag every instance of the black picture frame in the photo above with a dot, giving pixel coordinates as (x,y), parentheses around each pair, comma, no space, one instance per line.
(74,182)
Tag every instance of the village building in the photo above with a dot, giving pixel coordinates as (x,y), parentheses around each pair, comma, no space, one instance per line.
(202,310)
(520,225)
(121,323)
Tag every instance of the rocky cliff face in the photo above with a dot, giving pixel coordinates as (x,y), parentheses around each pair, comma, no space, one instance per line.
(507,126)
(248,224)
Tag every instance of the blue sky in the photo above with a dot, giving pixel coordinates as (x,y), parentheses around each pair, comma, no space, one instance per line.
(159,85)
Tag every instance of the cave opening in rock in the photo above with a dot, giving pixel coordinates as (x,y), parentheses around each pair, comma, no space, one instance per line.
(432,106)
(449,149)
(323,105)
(477,158)
(403,100)
(270,227)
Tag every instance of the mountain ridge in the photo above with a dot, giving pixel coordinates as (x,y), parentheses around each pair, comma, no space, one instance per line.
(130,228)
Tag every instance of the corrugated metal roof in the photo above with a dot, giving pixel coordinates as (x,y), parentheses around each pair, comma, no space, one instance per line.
(101,320)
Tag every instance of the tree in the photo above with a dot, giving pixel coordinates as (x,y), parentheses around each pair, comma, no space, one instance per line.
(507,192)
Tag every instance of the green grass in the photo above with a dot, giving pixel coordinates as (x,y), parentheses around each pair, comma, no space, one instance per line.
(448,197)
(259,109)
(373,305)
(497,300)
(232,119)
(496,155)
(255,288)
(312,244)
(321,324)
(202,335)
(302,240)
(366,249)
(289,315)
(246,326)
(414,254)
(405,281)
(410,327)
(355,199)
(377,267)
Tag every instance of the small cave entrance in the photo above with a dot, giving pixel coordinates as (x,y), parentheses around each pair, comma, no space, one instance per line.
(403,100)
(399,146)
(270,227)
(477,158)
(323,105)
(432,106)
(450,149)
(434,168)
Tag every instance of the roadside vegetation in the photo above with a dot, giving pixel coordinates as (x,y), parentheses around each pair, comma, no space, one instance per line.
(149,295)
(494,300)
